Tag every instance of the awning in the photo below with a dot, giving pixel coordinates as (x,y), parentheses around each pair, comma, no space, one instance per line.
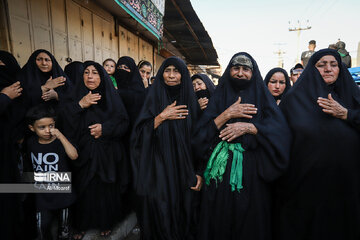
(184,30)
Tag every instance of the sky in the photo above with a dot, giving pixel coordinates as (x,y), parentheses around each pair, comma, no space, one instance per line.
(261,27)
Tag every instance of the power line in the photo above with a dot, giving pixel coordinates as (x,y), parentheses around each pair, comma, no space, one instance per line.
(298,29)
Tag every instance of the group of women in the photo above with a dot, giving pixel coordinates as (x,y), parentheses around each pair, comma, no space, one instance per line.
(203,162)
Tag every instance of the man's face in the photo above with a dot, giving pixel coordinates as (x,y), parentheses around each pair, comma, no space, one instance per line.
(241,72)
(295,75)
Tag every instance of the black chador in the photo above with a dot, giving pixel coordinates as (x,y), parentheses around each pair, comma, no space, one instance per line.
(9,172)
(164,168)
(287,81)
(236,200)
(100,174)
(319,197)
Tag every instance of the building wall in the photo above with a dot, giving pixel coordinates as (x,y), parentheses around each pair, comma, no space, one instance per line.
(72,30)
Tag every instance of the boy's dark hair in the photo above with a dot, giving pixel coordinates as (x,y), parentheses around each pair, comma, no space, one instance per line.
(109,59)
(38,112)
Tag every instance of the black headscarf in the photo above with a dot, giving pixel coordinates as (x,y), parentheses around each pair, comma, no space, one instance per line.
(273,134)
(9,71)
(210,87)
(287,80)
(32,78)
(323,175)
(74,71)
(97,156)
(9,172)
(166,151)
(128,80)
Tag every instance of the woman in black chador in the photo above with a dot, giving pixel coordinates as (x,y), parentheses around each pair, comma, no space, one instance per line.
(9,172)
(164,169)
(204,89)
(278,82)
(130,86)
(43,80)
(74,71)
(319,197)
(98,120)
(245,141)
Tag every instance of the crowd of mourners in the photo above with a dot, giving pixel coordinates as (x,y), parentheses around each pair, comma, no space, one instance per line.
(251,158)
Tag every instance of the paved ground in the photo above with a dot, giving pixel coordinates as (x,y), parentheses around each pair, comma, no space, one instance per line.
(121,231)
(134,234)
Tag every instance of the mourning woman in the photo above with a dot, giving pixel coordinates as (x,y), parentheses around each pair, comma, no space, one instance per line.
(43,80)
(74,71)
(99,120)
(10,89)
(132,92)
(145,69)
(165,172)
(245,141)
(203,88)
(278,82)
(319,197)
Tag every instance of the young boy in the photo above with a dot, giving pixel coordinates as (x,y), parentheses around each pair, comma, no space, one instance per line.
(109,66)
(49,151)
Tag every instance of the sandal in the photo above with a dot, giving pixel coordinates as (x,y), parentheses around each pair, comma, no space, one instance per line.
(105,233)
(78,235)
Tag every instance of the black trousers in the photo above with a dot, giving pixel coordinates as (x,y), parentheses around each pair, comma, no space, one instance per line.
(44,220)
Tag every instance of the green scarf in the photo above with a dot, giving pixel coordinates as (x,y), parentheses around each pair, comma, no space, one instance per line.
(217,164)
(113,81)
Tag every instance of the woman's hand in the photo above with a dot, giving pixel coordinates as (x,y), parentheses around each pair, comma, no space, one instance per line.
(54,83)
(145,82)
(173,112)
(199,183)
(332,107)
(241,110)
(12,91)
(235,130)
(203,102)
(51,94)
(237,110)
(95,130)
(89,99)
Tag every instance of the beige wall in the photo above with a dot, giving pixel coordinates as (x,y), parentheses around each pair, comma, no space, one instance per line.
(69,29)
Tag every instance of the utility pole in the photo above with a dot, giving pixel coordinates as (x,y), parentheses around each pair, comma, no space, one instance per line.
(298,29)
(280,54)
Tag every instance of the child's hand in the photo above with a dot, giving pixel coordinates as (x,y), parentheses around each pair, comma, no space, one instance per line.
(95,130)
(55,132)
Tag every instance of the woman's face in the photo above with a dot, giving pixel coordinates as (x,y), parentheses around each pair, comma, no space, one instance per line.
(124,67)
(328,68)
(91,78)
(43,61)
(172,76)
(277,84)
(109,67)
(198,84)
(145,72)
